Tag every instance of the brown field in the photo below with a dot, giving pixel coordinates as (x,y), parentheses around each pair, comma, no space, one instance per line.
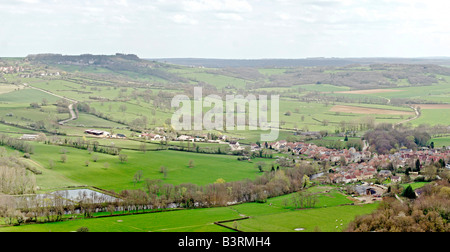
(369,91)
(433,106)
(362,110)
(8,88)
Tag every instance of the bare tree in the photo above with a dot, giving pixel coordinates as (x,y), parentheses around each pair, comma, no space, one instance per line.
(137,177)
(123,157)
(163,170)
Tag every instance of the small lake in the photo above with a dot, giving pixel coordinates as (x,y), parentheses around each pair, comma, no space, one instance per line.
(78,194)
(69,196)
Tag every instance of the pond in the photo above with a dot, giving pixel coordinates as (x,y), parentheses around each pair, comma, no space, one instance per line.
(88,194)
(67,196)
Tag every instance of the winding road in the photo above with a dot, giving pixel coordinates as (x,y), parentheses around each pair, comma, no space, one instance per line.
(404,121)
(410,119)
(73,115)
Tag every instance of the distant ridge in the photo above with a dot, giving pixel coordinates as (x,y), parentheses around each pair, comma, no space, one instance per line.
(83,59)
(118,63)
(221,63)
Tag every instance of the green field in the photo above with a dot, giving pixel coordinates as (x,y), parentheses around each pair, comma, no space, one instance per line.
(294,114)
(27,96)
(326,219)
(433,117)
(332,210)
(440,141)
(132,102)
(91,121)
(119,176)
(198,220)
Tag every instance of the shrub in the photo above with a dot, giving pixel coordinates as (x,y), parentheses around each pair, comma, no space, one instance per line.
(83,229)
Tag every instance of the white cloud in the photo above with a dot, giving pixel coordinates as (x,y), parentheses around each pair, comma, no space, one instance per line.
(217,5)
(29,1)
(183,19)
(121,3)
(229,16)
(231,28)
(122,19)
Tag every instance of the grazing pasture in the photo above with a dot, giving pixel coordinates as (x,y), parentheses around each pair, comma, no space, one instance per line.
(196,220)
(117,175)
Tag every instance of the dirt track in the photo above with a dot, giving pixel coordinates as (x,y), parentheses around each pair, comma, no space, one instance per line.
(369,91)
(73,115)
(363,110)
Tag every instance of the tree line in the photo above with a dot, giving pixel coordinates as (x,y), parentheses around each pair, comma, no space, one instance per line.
(156,196)
(383,140)
(15,175)
(16,144)
(79,143)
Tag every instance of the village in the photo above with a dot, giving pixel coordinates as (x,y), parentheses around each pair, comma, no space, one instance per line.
(339,166)
(27,72)
(350,165)
(359,164)
(11,69)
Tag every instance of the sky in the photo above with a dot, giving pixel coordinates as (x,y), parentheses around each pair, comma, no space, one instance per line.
(227,29)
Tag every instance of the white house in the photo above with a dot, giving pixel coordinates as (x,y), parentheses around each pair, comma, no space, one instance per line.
(185,138)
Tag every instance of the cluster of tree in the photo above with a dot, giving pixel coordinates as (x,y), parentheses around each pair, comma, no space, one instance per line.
(51,207)
(84,107)
(246,73)
(373,76)
(16,144)
(221,193)
(334,98)
(40,125)
(83,144)
(139,124)
(430,212)
(156,195)
(383,140)
(15,177)
(301,200)
(339,145)
(62,106)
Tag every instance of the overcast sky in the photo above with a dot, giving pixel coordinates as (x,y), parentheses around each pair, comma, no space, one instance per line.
(230,29)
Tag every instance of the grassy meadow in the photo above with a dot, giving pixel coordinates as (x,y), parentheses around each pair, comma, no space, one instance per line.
(332,210)
(114,95)
(108,172)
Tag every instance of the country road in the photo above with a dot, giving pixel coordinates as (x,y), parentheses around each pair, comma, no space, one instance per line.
(73,115)
(407,120)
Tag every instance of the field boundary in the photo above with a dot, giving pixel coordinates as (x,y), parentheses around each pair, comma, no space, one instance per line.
(220,223)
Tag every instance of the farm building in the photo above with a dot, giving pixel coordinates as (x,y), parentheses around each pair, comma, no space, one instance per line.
(370,190)
(97,132)
(29,137)
(185,138)
(120,136)
(153,137)
(365,190)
